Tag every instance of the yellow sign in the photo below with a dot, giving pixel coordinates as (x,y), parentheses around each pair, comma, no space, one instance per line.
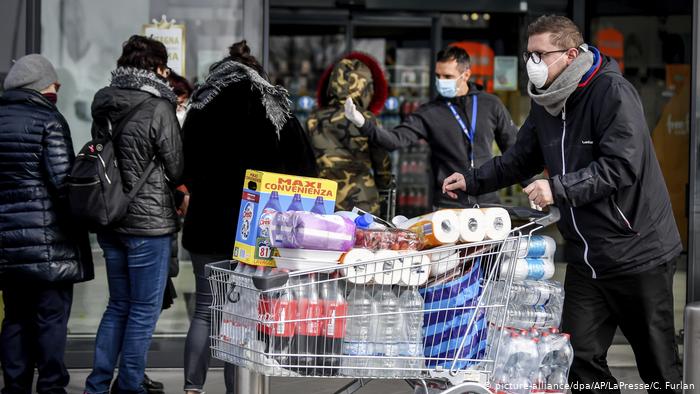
(172,35)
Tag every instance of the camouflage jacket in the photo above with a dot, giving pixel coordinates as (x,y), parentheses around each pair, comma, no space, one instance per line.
(343,154)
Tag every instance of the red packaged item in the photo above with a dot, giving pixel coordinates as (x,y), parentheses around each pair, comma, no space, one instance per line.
(388,239)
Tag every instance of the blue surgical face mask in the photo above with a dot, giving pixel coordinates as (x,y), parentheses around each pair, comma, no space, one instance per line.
(446,87)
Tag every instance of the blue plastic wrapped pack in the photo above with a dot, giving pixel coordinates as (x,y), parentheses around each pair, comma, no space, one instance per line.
(444,329)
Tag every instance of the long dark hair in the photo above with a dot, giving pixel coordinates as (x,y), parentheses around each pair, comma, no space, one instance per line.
(143,53)
(240,52)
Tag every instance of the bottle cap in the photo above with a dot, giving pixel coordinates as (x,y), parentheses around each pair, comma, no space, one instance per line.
(364,221)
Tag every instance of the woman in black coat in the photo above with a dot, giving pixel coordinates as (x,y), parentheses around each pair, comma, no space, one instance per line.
(137,249)
(41,253)
(237,121)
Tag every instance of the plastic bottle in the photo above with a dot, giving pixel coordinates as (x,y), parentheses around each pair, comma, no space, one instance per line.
(296,204)
(265,221)
(563,353)
(319,207)
(516,362)
(557,381)
(388,333)
(537,293)
(358,333)
(411,305)
(526,317)
(361,221)
(230,330)
(308,327)
(334,308)
(283,309)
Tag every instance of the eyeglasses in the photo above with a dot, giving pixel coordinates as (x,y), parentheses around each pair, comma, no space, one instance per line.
(537,56)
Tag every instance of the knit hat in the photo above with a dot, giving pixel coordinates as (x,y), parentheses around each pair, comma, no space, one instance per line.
(33,72)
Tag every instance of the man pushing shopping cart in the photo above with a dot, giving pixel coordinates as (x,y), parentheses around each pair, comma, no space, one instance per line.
(587,128)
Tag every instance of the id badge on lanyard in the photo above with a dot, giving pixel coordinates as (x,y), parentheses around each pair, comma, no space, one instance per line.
(469,133)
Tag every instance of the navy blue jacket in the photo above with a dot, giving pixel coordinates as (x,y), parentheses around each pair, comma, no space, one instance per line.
(38,241)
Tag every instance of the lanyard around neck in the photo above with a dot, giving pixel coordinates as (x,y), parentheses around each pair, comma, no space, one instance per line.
(469,133)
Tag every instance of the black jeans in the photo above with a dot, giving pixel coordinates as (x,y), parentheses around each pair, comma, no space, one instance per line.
(34,333)
(197,353)
(642,306)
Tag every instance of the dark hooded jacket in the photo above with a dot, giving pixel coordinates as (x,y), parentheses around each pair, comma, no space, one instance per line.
(606,180)
(38,240)
(342,153)
(238,121)
(152,132)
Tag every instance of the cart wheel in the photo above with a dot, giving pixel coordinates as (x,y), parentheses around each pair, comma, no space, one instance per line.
(465,388)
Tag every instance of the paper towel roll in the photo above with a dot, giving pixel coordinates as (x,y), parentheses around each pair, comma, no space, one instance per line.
(435,229)
(541,246)
(497,223)
(360,273)
(443,262)
(472,225)
(387,272)
(416,270)
(530,268)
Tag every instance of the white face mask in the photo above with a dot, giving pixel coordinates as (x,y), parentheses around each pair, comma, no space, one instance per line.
(447,87)
(538,73)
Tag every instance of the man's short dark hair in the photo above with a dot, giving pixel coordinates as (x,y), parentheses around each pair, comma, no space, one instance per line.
(565,33)
(455,53)
(143,53)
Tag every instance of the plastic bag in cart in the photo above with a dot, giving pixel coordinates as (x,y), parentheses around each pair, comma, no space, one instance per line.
(445,329)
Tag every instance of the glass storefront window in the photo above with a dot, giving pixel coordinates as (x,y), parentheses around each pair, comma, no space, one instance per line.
(83,38)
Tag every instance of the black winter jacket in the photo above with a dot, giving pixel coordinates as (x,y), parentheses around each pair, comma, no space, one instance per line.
(38,241)
(435,123)
(226,137)
(151,132)
(606,180)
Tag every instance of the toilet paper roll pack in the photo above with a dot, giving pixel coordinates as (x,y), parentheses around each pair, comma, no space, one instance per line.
(529,268)
(435,229)
(443,262)
(361,273)
(388,272)
(498,224)
(415,270)
(472,225)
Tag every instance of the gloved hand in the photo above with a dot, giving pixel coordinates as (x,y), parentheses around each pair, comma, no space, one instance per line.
(352,114)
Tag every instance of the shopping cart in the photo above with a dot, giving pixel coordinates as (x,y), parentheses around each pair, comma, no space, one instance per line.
(464,304)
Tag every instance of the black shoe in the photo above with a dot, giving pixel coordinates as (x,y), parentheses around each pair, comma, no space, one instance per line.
(148,385)
(151,386)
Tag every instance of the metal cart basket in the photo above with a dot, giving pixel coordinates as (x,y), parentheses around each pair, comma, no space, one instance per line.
(275,323)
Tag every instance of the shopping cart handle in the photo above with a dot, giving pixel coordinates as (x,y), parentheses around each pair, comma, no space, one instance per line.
(271,281)
(542,218)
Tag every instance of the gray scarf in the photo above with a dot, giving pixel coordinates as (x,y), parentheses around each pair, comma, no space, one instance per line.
(144,80)
(275,99)
(554,97)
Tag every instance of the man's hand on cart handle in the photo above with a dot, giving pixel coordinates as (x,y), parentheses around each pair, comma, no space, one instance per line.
(352,114)
(453,182)
(540,193)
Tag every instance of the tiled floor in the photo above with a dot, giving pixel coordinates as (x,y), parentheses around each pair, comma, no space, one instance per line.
(172,378)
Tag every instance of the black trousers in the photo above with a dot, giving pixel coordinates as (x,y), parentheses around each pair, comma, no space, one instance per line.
(642,306)
(33,335)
